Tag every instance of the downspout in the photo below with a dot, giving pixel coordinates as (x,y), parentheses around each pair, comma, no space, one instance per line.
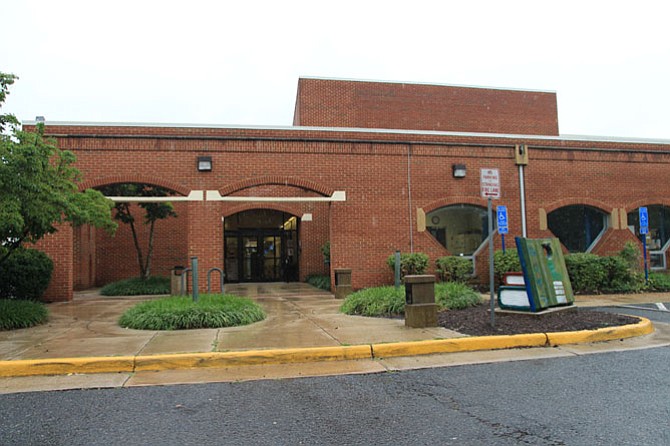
(409,198)
(521,159)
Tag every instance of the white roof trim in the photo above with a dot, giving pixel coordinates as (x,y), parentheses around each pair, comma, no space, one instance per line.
(586,138)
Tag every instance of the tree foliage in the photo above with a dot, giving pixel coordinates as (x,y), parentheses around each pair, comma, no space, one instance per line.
(152,213)
(38,186)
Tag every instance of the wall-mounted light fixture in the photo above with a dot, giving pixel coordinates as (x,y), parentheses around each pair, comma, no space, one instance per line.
(458,170)
(204,164)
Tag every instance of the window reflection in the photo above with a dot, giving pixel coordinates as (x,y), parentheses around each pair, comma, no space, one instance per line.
(578,227)
(460,228)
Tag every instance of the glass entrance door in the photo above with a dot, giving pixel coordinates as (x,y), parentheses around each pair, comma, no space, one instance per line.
(261,246)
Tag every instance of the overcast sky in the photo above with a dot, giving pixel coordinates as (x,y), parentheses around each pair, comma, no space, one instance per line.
(238,63)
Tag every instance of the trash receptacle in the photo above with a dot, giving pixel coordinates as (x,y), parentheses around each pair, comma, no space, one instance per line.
(342,283)
(175,281)
(420,306)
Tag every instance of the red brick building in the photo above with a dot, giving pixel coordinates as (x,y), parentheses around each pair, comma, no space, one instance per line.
(370,167)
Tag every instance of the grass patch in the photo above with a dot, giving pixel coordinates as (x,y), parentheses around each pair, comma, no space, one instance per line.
(181,313)
(137,287)
(379,301)
(18,313)
(456,296)
(319,281)
(388,301)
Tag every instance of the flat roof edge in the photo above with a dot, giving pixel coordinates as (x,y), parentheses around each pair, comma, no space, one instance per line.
(435,84)
(567,137)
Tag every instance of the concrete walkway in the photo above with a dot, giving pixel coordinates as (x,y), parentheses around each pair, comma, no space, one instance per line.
(299,316)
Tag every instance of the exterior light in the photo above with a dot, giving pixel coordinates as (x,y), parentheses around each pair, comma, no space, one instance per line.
(458,170)
(204,164)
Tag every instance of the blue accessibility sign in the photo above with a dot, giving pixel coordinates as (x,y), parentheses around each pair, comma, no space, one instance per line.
(644,220)
(501,212)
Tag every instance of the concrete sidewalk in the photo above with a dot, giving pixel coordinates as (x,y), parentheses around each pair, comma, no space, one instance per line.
(299,317)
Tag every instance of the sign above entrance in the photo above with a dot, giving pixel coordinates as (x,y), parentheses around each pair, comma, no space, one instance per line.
(490,183)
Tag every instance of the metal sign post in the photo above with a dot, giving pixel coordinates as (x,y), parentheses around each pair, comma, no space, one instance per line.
(503,229)
(490,189)
(644,230)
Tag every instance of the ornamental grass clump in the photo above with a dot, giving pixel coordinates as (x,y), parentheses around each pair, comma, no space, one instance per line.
(182,313)
(19,313)
(456,296)
(381,301)
(137,287)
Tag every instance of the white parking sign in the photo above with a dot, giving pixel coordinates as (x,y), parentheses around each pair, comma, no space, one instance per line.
(490,183)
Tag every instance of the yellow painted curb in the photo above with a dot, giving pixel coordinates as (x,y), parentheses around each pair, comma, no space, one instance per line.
(602,334)
(65,366)
(458,345)
(254,357)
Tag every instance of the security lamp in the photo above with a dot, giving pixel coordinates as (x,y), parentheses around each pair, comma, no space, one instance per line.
(458,170)
(204,164)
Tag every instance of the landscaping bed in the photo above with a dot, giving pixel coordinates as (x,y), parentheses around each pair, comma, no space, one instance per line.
(476,321)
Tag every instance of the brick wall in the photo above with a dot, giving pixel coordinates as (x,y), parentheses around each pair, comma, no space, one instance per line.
(386,105)
(387,176)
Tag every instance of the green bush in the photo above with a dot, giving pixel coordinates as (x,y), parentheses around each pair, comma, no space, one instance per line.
(587,273)
(16,313)
(25,274)
(182,313)
(388,301)
(632,256)
(454,268)
(136,287)
(410,264)
(379,301)
(456,296)
(507,262)
(619,277)
(658,282)
(319,281)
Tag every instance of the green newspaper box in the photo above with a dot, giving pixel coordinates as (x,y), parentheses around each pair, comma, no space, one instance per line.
(545,275)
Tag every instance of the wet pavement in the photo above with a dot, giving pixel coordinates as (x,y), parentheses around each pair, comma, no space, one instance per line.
(298,315)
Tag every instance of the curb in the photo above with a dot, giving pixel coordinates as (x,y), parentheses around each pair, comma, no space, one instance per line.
(131,364)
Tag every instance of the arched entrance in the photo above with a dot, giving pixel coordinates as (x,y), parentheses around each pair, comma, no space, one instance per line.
(261,245)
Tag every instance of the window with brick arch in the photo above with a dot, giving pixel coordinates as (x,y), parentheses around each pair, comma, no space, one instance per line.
(658,236)
(461,228)
(578,227)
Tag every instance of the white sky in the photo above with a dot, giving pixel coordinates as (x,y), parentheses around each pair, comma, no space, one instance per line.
(225,62)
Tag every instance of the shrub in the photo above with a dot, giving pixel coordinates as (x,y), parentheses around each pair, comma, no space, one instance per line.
(619,276)
(454,268)
(136,286)
(379,301)
(325,251)
(416,263)
(182,313)
(507,262)
(456,296)
(15,313)
(658,282)
(388,301)
(631,255)
(319,281)
(587,273)
(25,274)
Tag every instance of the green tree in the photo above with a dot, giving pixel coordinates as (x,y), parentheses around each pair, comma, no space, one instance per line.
(152,213)
(38,186)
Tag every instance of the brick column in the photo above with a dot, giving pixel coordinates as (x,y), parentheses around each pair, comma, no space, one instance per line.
(59,247)
(205,240)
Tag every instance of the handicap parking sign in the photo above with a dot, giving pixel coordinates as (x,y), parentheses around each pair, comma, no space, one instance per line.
(501,212)
(644,220)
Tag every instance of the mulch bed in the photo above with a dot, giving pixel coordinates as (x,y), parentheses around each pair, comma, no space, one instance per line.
(476,321)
